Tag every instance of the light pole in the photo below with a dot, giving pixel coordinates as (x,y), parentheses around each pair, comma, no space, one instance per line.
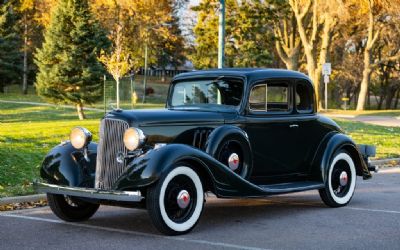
(221,34)
(145,73)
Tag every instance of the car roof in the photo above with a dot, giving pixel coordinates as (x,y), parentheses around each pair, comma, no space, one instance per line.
(252,74)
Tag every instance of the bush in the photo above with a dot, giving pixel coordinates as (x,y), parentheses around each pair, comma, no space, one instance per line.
(149,91)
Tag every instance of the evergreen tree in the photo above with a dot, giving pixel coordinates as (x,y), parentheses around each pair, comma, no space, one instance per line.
(69,71)
(10,55)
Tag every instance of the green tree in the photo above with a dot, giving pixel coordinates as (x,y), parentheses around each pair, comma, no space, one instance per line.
(69,71)
(10,55)
(247,36)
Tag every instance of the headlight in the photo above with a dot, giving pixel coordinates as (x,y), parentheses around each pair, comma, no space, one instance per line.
(133,138)
(80,137)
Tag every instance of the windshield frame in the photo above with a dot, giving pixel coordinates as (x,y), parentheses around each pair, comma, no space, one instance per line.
(217,107)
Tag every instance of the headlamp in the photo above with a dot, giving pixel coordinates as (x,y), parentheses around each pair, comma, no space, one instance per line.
(80,137)
(134,138)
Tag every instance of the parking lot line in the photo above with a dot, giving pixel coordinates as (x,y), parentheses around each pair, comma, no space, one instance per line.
(174,238)
(346,207)
(374,210)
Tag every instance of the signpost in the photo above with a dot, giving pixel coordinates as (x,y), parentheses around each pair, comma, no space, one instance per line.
(345,99)
(326,71)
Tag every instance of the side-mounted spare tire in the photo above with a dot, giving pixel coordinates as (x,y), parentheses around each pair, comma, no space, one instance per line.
(230,146)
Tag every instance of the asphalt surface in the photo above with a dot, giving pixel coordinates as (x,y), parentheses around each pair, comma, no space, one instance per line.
(294,221)
(387,121)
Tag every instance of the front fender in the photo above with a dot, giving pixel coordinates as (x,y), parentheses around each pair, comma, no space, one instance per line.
(329,146)
(148,169)
(218,134)
(65,165)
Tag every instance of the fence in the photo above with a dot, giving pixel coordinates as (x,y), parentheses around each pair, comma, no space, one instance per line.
(131,91)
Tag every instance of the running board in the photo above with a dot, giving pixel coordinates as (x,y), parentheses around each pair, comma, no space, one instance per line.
(290,187)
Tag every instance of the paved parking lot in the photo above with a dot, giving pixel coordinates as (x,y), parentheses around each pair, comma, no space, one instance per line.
(294,221)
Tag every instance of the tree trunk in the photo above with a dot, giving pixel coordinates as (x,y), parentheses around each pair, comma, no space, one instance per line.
(163,74)
(25,66)
(117,91)
(79,109)
(389,98)
(287,42)
(310,41)
(396,102)
(381,98)
(365,81)
(369,100)
(372,37)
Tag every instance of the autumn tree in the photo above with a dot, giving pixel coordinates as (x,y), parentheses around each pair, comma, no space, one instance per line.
(287,39)
(33,16)
(69,71)
(376,13)
(316,21)
(133,27)
(119,21)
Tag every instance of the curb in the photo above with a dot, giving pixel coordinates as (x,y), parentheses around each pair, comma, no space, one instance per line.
(21,199)
(386,161)
(38,197)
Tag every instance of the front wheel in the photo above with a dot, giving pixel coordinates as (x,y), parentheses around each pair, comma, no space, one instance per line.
(340,182)
(175,203)
(70,209)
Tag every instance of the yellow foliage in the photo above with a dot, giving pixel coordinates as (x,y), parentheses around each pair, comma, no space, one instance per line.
(134,98)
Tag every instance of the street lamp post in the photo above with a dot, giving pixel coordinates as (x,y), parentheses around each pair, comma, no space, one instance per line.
(221,34)
(145,73)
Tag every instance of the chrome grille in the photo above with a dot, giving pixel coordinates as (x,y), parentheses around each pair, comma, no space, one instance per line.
(111,143)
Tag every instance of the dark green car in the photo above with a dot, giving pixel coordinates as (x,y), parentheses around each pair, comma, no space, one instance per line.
(232,132)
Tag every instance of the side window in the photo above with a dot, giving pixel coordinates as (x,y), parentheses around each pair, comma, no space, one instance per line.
(258,97)
(304,97)
(270,97)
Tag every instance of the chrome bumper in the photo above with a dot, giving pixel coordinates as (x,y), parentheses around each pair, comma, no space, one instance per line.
(91,193)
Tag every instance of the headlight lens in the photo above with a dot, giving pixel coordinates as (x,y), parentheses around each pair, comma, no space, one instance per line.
(80,137)
(133,138)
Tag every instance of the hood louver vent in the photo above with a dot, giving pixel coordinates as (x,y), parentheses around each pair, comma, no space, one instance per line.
(200,138)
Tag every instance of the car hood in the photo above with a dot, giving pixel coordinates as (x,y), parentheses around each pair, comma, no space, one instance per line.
(157,117)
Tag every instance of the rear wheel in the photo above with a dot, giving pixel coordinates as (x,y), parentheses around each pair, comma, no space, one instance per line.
(71,209)
(341,181)
(175,203)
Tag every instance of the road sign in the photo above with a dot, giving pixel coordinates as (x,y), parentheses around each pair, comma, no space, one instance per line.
(326,69)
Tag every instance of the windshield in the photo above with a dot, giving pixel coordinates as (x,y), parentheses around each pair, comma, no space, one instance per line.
(203,93)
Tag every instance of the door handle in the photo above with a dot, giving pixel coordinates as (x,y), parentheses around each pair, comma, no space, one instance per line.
(293,125)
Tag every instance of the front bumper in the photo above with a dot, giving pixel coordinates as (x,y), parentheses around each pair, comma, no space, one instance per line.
(91,193)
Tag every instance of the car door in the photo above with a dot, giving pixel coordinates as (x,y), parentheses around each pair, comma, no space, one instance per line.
(309,133)
(270,126)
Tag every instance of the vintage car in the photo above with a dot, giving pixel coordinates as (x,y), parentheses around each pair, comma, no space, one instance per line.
(232,132)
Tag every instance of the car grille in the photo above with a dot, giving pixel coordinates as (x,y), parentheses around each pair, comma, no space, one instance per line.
(108,169)
(200,138)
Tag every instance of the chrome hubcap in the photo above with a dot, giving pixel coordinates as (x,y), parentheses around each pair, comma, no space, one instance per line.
(183,199)
(233,161)
(343,179)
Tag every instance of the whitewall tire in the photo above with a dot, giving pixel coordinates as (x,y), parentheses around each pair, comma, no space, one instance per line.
(176,202)
(341,180)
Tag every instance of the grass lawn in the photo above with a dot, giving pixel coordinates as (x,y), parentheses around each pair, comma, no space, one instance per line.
(392,113)
(386,139)
(28,132)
